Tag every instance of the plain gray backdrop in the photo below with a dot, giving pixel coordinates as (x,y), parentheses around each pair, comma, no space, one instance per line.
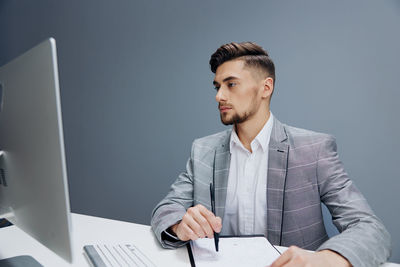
(136,88)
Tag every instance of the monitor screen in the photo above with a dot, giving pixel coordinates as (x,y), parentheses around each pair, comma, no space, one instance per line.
(33,177)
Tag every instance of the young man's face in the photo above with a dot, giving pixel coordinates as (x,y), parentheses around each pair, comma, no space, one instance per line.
(238,91)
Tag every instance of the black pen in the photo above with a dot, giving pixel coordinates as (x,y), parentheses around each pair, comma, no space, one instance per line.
(212,194)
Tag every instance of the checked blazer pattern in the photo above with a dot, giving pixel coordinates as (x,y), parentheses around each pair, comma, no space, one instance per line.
(304,171)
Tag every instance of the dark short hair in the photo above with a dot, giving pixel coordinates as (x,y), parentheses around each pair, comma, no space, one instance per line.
(252,54)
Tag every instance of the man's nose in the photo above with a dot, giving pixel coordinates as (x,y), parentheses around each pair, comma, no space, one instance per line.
(220,96)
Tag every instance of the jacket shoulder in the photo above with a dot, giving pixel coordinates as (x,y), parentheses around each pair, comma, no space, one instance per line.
(213,141)
(301,137)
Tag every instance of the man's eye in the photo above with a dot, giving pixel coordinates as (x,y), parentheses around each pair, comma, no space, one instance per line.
(216,88)
(231,84)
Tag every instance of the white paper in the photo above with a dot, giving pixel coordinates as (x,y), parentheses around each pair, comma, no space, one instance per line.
(234,251)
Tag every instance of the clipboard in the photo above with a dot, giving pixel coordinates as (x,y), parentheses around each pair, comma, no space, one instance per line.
(248,250)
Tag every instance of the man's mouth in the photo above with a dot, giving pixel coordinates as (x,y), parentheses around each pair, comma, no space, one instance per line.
(224,108)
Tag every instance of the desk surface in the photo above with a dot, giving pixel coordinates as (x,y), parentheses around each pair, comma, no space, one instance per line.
(88,230)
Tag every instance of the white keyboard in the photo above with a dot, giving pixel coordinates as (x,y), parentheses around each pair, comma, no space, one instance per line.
(118,255)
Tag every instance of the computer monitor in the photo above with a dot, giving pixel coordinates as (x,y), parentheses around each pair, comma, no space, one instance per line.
(33,177)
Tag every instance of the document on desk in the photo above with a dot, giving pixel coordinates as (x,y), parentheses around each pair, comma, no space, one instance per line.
(233,251)
(116,255)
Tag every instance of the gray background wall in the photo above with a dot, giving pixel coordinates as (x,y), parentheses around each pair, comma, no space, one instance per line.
(136,88)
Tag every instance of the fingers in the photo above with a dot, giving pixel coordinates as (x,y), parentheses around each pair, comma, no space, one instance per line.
(285,257)
(186,233)
(218,226)
(214,222)
(297,257)
(198,222)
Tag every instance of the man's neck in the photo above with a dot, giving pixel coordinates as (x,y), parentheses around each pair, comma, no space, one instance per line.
(248,130)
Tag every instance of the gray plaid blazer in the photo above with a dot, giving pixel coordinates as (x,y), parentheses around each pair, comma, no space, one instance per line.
(303,170)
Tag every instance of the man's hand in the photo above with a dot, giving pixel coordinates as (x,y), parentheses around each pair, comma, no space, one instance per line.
(295,256)
(198,222)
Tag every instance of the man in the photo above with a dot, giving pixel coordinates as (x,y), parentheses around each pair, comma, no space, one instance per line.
(269,178)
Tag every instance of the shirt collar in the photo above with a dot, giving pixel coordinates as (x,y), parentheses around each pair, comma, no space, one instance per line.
(261,139)
(234,140)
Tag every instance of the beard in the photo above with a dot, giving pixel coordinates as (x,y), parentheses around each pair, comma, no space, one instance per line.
(235,119)
(239,118)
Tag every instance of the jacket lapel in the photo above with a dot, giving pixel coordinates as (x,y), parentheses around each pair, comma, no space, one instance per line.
(277,169)
(221,172)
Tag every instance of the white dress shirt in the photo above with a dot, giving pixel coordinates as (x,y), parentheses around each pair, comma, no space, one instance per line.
(246,199)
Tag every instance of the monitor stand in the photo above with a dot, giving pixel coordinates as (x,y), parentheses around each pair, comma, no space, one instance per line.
(20,261)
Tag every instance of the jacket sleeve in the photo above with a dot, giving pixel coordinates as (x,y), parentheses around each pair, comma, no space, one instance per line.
(172,208)
(363,239)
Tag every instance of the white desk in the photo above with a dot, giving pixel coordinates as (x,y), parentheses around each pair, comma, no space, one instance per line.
(88,230)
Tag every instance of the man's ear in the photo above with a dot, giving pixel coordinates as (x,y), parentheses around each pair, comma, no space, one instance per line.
(268,87)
